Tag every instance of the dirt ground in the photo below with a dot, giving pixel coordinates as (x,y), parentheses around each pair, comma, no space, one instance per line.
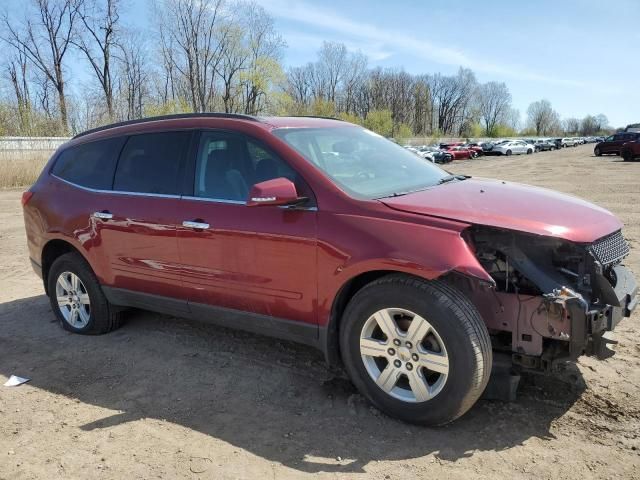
(168,398)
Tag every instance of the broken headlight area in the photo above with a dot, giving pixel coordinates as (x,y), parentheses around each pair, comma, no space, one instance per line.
(553,299)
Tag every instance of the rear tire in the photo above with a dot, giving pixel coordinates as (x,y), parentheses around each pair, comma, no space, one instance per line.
(508,152)
(529,151)
(77,299)
(453,330)
(627,156)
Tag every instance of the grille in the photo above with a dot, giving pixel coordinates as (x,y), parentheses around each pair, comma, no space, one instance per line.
(610,249)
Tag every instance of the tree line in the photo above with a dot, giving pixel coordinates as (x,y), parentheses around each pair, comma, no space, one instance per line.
(226,55)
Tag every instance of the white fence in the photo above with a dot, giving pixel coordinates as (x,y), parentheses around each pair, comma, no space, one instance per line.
(30,144)
(431,140)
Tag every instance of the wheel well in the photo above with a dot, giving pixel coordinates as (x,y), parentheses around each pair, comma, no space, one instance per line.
(329,335)
(52,250)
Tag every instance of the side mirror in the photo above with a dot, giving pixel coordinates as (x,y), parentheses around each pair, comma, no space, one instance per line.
(279,191)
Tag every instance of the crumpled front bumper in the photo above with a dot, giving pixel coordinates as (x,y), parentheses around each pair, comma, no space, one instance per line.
(589,323)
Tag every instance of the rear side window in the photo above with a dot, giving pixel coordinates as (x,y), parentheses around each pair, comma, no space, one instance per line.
(90,165)
(150,163)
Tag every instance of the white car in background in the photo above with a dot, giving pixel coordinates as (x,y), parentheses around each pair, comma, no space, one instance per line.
(569,142)
(513,147)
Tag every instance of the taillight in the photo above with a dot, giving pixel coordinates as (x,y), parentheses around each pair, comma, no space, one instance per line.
(26,196)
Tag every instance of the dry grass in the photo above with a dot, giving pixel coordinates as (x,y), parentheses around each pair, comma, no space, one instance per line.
(21,168)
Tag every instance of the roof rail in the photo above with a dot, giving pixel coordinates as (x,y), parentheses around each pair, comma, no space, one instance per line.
(316,116)
(170,117)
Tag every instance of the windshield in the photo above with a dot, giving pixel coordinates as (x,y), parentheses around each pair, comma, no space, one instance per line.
(361,162)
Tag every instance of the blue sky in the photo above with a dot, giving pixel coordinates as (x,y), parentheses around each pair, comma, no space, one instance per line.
(582,55)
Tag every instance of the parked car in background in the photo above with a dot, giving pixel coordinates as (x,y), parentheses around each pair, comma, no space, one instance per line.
(321,232)
(568,142)
(460,153)
(475,147)
(543,145)
(557,142)
(435,155)
(514,147)
(487,148)
(631,150)
(613,143)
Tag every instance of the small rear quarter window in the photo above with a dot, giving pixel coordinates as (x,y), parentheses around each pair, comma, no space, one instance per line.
(89,165)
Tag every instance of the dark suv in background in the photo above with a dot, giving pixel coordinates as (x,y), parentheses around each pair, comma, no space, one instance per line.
(613,144)
(325,233)
(631,150)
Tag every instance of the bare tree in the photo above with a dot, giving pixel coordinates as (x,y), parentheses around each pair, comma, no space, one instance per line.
(100,22)
(602,122)
(542,117)
(299,84)
(17,71)
(332,60)
(133,78)
(494,102)
(571,125)
(192,28)
(264,47)
(168,84)
(512,119)
(451,97)
(45,39)
(354,77)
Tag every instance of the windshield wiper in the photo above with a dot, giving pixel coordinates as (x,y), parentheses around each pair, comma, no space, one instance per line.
(451,178)
(446,179)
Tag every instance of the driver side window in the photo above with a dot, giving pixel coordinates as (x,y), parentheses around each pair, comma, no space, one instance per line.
(228,165)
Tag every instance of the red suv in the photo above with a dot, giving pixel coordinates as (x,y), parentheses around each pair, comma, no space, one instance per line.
(319,231)
(630,150)
(614,143)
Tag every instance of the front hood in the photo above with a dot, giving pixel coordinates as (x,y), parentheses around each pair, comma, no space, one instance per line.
(512,206)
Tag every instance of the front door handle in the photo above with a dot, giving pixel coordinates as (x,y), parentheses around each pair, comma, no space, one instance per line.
(195,224)
(104,215)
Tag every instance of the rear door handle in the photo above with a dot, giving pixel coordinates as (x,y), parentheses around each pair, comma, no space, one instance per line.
(195,224)
(104,215)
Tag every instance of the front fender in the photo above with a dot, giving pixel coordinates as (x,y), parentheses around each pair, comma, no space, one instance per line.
(353,246)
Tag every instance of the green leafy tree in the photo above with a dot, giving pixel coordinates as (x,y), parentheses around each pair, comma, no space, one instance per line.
(380,121)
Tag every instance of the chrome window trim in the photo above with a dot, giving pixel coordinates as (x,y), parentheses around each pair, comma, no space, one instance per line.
(117,192)
(215,200)
(240,202)
(164,195)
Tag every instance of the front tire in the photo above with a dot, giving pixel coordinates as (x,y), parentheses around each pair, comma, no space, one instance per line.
(508,153)
(77,299)
(418,350)
(627,156)
(597,151)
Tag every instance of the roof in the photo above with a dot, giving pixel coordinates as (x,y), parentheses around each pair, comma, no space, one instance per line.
(191,118)
(304,122)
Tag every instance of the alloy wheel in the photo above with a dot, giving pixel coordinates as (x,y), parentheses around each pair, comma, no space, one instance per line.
(404,355)
(73,300)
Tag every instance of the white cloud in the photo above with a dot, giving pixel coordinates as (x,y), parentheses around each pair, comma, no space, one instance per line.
(308,41)
(386,41)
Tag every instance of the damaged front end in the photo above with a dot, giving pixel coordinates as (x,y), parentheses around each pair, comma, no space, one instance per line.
(552,299)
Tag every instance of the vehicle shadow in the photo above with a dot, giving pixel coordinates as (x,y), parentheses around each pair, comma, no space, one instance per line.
(274,399)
